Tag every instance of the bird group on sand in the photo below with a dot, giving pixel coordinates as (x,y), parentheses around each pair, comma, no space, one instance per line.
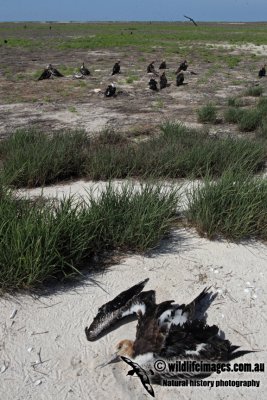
(154,85)
(165,331)
(163,83)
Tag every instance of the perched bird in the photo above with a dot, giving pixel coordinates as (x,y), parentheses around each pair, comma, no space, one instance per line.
(262,72)
(179,79)
(191,19)
(46,74)
(110,90)
(163,81)
(165,331)
(84,71)
(151,68)
(182,67)
(116,68)
(163,65)
(153,84)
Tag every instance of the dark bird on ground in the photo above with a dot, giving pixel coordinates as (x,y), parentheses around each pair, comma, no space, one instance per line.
(153,84)
(110,90)
(191,19)
(179,79)
(48,72)
(262,72)
(141,373)
(182,67)
(165,331)
(163,81)
(84,71)
(151,68)
(5,41)
(116,68)
(163,65)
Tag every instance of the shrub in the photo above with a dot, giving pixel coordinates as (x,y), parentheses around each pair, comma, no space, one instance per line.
(207,113)
(254,91)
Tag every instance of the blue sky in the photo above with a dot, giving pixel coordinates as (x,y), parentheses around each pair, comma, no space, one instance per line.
(132,10)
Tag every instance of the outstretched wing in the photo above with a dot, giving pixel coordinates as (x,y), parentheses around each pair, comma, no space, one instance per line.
(55,72)
(142,375)
(180,314)
(129,302)
(191,19)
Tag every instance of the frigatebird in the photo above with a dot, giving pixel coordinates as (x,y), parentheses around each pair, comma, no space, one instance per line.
(191,19)
(165,331)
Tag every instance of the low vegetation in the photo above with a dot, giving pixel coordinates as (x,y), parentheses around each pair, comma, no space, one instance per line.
(248,119)
(207,113)
(58,240)
(254,91)
(234,207)
(34,159)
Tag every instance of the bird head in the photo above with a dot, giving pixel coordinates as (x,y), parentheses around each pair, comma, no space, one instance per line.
(123,348)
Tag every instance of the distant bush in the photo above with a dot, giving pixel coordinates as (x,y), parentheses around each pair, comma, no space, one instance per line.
(254,91)
(233,115)
(249,120)
(207,113)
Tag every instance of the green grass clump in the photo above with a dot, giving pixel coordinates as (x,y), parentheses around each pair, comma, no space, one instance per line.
(207,113)
(132,78)
(254,91)
(57,240)
(235,207)
(31,158)
(249,120)
(235,102)
(233,115)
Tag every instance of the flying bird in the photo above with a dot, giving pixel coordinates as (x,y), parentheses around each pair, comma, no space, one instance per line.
(191,19)
(165,331)
(141,373)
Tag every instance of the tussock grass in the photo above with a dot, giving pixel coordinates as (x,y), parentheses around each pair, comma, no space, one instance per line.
(176,153)
(234,207)
(207,113)
(249,120)
(254,91)
(31,158)
(57,240)
(233,115)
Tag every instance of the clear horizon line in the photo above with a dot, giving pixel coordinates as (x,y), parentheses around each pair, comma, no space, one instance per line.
(131,21)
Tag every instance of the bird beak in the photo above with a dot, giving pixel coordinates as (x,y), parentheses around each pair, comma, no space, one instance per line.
(115,358)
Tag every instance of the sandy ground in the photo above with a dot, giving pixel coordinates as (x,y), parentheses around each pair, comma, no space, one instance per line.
(53,324)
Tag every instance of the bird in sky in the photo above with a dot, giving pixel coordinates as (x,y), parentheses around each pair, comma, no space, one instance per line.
(191,19)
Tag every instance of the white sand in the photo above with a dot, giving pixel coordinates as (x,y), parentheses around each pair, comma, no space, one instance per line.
(179,270)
